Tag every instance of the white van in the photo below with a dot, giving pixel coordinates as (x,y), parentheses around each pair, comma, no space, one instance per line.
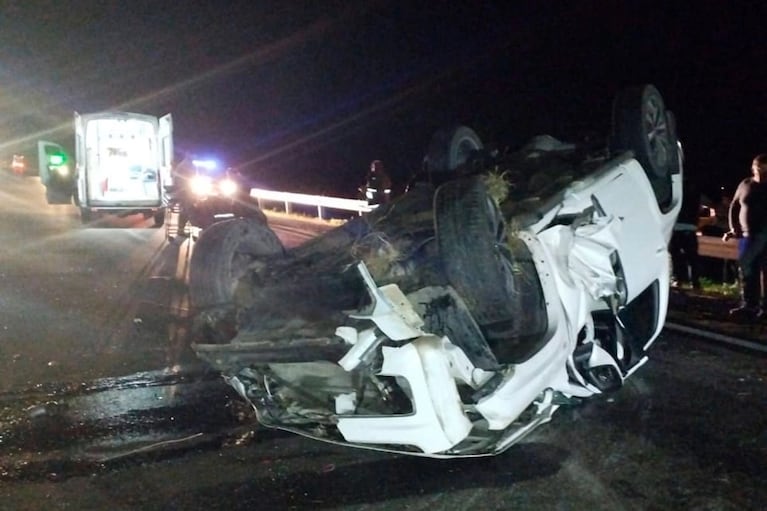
(122,165)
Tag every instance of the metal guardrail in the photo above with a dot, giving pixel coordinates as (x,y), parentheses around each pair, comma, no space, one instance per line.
(725,251)
(321,202)
(713,246)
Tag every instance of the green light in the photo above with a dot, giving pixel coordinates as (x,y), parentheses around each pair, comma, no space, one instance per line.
(56,159)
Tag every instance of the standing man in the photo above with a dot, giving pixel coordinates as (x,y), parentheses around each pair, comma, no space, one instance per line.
(377,184)
(748,223)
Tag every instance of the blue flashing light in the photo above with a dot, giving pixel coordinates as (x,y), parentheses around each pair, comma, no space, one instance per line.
(205,164)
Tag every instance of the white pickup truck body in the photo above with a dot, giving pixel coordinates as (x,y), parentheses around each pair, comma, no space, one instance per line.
(500,287)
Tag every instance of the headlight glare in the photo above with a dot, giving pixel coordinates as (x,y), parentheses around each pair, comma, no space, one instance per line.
(227,187)
(201,185)
(61,170)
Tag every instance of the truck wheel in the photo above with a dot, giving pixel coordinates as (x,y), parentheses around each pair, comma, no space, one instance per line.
(469,227)
(158,218)
(86,215)
(671,118)
(223,254)
(450,148)
(249,209)
(494,274)
(183,219)
(641,124)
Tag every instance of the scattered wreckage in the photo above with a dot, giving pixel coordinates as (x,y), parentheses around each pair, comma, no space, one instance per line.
(455,319)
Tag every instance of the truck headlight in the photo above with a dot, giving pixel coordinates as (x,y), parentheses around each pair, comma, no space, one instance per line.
(201,185)
(227,187)
(60,170)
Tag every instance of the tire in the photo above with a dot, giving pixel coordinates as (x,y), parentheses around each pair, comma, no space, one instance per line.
(467,227)
(494,275)
(641,124)
(86,215)
(680,151)
(158,218)
(451,148)
(182,220)
(56,196)
(222,256)
(246,208)
(180,223)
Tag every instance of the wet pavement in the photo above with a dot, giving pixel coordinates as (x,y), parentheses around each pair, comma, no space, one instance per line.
(84,426)
(687,432)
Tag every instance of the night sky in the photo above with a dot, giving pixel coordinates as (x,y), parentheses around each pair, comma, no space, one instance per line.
(303,95)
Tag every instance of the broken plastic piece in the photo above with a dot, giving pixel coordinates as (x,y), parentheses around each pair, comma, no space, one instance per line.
(346,403)
(392,312)
(365,341)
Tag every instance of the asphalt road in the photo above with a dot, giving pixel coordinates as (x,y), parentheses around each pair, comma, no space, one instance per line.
(104,407)
(67,305)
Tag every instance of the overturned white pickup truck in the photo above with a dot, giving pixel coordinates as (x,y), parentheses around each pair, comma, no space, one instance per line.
(454,320)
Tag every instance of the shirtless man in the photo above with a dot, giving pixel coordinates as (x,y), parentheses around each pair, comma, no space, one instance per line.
(748,223)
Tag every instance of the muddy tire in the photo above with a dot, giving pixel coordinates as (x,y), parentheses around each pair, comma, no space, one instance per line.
(450,148)
(641,124)
(175,222)
(182,220)
(158,218)
(246,207)
(494,274)
(223,254)
(87,216)
(680,152)
(468,226)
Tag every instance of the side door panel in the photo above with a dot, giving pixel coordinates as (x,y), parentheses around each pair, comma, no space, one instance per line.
(55,170)
(81,198)
(165,137)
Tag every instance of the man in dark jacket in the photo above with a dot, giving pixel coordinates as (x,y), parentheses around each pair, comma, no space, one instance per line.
(377,184)
(748,223)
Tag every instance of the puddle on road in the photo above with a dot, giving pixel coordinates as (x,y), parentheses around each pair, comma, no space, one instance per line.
(95,422)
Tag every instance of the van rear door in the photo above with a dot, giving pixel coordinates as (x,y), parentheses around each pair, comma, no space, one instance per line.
(122,161)
(56,172)
(81,198)
(165,137)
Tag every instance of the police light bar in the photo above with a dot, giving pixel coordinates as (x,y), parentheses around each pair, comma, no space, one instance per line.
(205,164)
